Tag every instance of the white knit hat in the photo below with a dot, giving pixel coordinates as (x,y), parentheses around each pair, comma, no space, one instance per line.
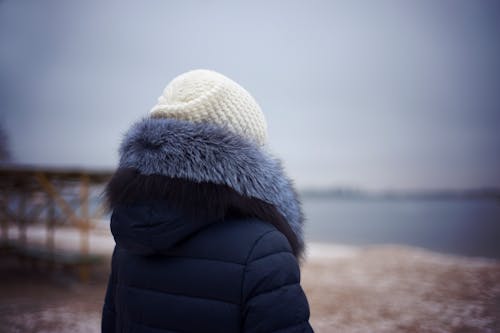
(207,96)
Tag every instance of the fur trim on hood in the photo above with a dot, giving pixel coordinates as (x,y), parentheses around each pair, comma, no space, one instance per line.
(208,154)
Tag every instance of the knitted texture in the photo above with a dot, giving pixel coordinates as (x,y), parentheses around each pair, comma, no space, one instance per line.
(207,96)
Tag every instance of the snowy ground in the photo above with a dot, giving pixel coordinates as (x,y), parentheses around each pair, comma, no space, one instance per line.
(350,289)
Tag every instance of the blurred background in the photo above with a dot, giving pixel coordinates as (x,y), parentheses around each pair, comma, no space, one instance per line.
(385,113)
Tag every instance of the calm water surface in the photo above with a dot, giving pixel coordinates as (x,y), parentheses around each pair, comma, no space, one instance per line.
(465,227)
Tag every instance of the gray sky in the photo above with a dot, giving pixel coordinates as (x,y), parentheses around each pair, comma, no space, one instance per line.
(373,94)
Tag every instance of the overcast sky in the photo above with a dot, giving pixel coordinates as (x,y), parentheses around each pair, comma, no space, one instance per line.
(371,94)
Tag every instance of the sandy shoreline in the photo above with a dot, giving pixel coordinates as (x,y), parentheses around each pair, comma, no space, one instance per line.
(387,288)
(402,289)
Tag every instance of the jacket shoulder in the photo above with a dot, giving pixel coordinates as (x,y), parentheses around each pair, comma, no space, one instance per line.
(235,240)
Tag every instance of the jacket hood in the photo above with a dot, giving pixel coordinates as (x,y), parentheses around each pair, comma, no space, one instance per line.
(152,227)
(174,177)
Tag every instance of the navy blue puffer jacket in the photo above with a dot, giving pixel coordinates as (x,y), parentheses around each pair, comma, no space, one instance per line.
(208,233)
(230,276)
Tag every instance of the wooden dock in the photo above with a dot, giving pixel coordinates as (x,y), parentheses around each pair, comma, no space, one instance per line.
(51,198)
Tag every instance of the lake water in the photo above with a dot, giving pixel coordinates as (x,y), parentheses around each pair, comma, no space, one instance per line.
(464,227)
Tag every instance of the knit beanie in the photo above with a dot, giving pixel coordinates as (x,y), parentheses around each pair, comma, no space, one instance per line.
(207,96)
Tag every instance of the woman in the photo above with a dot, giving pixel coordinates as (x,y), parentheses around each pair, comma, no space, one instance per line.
(208,229)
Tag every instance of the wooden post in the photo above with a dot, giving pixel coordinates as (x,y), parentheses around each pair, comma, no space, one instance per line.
(50,225)
(84,226)
(21,210)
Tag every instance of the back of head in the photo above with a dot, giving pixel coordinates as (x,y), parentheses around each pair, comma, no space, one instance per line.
(200,152)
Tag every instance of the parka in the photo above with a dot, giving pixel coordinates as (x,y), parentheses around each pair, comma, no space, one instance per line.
(208,234)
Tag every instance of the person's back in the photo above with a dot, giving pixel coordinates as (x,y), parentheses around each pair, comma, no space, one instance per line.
(207,226)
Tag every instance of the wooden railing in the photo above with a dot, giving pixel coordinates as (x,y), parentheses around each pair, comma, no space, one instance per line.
(53,198)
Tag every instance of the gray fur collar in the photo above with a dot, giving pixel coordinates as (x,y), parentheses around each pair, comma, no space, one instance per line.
(208,153)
